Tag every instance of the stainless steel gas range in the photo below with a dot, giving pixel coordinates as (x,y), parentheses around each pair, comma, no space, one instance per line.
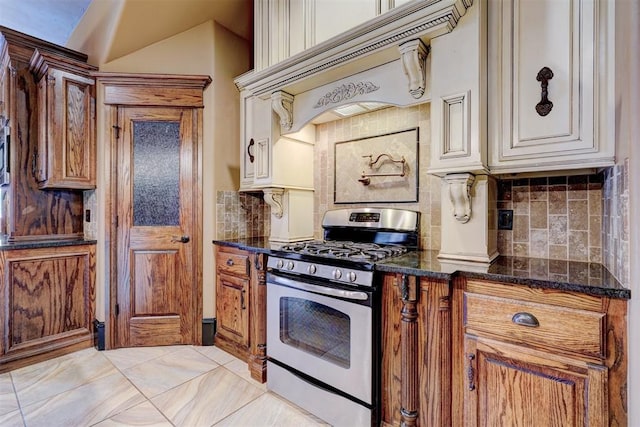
(323,313)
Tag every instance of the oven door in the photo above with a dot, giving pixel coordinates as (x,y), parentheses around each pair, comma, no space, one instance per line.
(323,332)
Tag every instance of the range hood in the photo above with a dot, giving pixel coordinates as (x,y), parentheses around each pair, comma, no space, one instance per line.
(333,72)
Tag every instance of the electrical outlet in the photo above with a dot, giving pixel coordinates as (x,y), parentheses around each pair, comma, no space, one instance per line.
(505,219)
(87,215)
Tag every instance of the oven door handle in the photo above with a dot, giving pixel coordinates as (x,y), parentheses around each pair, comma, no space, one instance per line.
(323,290)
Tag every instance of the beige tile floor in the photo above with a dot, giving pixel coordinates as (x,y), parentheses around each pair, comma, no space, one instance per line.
(149,386)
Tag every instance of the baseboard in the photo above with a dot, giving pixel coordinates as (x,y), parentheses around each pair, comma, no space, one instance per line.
(208,330)
(98,335)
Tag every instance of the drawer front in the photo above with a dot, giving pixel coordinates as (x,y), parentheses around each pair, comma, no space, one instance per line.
(537,325)
(234,263)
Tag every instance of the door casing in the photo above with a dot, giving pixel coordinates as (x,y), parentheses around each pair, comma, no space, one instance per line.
(147,90)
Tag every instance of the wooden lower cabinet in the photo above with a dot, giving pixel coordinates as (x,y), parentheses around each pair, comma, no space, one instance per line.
(48,297)
(233,316)
(241,307)
(538,357)
(516,386)
(416,351)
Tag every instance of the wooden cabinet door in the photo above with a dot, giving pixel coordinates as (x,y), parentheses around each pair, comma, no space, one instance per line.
(66,130)
(48,298)
(231,308)
(508,385)
(544,85)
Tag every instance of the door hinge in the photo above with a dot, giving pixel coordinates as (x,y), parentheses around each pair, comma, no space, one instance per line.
(117,221)
(117,309)
(116,129)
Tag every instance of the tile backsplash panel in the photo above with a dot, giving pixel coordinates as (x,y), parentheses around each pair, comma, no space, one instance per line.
(241,215)
(378,122)
(575,218)
(615,222)
(555,217)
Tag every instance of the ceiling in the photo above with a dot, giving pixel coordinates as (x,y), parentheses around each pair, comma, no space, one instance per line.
(138,23)
(50,20)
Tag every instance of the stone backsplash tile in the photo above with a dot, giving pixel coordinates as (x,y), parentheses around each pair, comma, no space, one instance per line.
(371,124)
(555,217)
(615,221)
(241,215)
(576,218)
(90,203)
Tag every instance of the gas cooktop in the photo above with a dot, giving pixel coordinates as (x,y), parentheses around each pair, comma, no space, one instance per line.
(347,250)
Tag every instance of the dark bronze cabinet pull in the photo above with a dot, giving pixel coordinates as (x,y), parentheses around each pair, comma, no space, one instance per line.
(250,151)
(525,319)
(470,372)
(544,106)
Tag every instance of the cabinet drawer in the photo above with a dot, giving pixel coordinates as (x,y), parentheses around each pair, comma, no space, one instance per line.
(537,325)
(234,263)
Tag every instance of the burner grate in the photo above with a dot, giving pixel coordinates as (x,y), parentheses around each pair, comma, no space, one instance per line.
(346,250)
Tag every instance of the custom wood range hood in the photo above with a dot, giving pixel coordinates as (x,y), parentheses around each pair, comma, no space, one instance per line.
(384,60)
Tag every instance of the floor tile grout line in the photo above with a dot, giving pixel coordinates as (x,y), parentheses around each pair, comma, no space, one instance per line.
(64,357)
(15,394)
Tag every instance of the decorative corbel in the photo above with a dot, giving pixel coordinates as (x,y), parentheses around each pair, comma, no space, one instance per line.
(282,103)
(460,195)
(414,58)
(273,197)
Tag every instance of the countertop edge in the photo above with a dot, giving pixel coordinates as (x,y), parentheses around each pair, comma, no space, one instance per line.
(40,244)
(618,292)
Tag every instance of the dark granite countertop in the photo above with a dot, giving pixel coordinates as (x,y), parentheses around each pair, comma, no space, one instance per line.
(35,244)
(583,277)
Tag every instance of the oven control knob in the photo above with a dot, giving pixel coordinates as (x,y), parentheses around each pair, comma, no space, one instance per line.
(280,264)
(352,276)
(311,269)
(290,265)
(337,273)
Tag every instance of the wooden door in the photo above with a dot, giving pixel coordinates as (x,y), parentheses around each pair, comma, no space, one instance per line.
(513,386)
(156,197)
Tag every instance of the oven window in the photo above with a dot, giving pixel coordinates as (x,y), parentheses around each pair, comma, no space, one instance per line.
(316,329)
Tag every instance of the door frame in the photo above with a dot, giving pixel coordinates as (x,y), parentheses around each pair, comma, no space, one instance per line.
(147,90)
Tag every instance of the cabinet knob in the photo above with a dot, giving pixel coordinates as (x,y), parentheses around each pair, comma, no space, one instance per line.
(229,262)
(525,319)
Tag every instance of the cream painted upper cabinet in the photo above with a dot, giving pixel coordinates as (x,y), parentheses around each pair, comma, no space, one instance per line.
(549,85)
(269,159)
(285,27)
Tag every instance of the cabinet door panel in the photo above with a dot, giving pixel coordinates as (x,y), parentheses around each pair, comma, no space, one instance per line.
(563,36)
(505,386)
(49,300)
(66,140)
(232,314)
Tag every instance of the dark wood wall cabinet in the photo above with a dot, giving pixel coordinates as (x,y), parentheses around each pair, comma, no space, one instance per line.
(46,104)
(48,300)
(66,152)
(240,306)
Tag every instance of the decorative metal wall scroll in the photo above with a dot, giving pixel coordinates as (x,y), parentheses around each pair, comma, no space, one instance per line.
(365,179)
(377,169)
